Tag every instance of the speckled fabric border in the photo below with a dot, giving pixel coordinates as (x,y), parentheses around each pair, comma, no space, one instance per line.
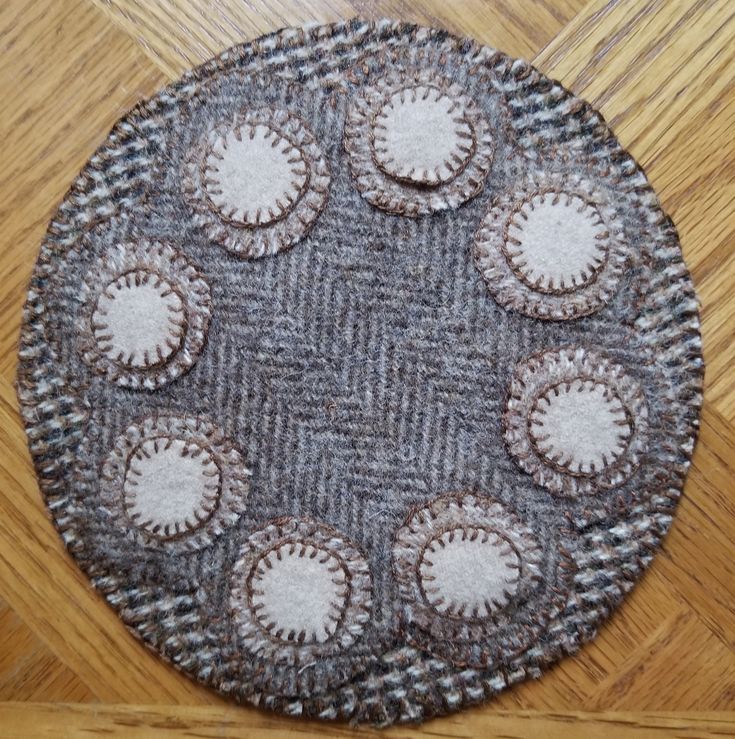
(352,390)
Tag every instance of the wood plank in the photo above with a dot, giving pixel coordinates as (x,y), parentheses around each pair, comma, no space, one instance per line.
(697,555)
(505,24)
(29,671)
(20,720)
(179,34)
(647,679)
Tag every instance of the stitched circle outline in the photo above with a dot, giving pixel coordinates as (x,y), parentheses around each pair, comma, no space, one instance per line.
(177,323)
(448,535)
(198,432)
(202,514)
(591,271)
(255,241)
(280,209)
(537,375)
(506,630)
(568,388)
(439,175)
(394,195)
(260,641)
(158,260)
(512,290)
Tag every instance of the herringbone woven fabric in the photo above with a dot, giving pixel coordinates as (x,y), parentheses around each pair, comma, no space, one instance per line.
(355,370)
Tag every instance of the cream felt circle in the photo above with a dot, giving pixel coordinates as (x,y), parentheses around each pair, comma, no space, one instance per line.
(421,135)
(576,421)
(469,572)
(417,141)
(361,372)
(556,242)
(173,483)
(139,320)
(171,486)
(580,425)
(253,175)
(256,180)
(145,313)
(298,593)
(552,249)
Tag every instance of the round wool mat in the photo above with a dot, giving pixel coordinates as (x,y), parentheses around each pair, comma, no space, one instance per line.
(361,372)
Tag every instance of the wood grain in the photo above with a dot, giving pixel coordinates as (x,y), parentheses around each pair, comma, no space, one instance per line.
(178,34)
(663,73)
(52,721)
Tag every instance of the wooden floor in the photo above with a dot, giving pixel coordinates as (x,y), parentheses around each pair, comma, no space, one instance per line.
(663,74)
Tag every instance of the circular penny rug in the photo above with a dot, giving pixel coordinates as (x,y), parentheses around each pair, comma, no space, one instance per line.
(361,372)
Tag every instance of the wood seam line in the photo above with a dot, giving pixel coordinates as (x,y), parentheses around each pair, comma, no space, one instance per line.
(102,7)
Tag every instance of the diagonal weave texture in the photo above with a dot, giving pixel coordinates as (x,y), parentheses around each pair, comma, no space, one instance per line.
(361,374)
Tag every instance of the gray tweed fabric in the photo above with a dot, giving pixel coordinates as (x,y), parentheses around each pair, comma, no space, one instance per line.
(353,379)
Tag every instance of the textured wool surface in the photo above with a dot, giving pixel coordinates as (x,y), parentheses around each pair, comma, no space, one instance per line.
(362,393)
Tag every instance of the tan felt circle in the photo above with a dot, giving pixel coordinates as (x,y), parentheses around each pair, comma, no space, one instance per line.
(145,314)
(575,421)
(299,593)
(473,578)
(173,483)
(171,486)
(421,135)
(253,175)
(139,320)
(256,181)
(553,249)
(469,572)
(556,242)
(581,425)
(417,143)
